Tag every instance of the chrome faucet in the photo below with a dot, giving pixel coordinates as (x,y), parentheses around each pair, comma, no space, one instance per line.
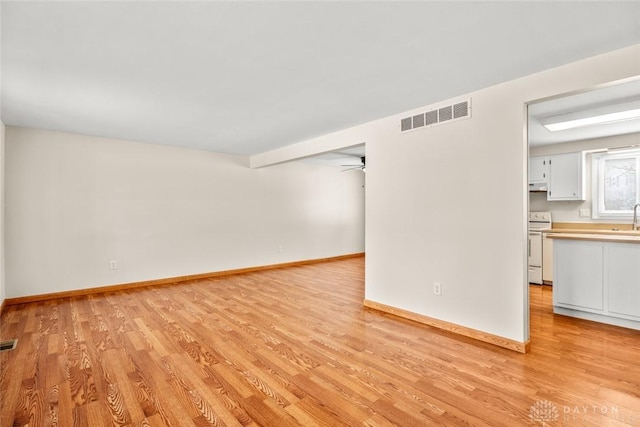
(635,225)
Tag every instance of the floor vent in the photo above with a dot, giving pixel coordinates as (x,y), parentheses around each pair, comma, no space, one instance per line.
(8,345)
(436,116)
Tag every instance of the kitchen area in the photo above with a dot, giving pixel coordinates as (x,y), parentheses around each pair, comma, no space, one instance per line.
(584,202)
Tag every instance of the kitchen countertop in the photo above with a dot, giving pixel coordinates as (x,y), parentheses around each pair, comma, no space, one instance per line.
(619,235)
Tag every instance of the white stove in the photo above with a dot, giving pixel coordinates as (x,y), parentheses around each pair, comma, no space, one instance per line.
(538,221)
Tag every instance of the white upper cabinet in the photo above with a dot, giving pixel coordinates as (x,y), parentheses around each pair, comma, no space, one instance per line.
(538,170)
(566,177)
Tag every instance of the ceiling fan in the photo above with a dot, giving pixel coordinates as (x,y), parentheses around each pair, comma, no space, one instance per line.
(354,167)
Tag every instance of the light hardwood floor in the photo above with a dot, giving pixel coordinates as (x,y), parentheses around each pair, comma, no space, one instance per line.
(295,347)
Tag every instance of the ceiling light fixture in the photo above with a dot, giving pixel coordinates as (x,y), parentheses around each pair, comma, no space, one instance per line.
(599,116)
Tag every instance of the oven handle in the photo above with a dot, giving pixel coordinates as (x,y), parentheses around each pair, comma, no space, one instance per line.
(534,233)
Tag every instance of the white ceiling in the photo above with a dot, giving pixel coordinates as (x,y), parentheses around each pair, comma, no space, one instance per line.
(595,99)
(248,77)
(344,158)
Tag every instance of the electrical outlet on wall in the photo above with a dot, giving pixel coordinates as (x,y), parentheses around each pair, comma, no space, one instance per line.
(585,212)
(437,288)
(113,264)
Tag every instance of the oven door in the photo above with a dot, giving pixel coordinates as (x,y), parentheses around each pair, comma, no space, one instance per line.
(535,249)
(535,257)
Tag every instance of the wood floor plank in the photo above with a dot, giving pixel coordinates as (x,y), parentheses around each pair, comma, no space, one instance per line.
(294,346)
(61,400)
(205,399)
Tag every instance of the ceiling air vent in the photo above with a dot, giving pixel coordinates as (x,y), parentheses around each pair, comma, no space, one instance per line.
(432,117)
(444,114)
(460,109)
(405,124)
(418,121)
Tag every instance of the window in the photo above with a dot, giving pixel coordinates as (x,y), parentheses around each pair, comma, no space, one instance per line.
(616,183)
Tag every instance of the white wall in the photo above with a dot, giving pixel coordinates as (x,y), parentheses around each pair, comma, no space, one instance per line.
(569,211)
(76,202)
(3,291)
(446,204)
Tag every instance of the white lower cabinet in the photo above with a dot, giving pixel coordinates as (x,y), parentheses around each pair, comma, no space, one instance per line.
(623,279)
(598,281)
(578,275)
